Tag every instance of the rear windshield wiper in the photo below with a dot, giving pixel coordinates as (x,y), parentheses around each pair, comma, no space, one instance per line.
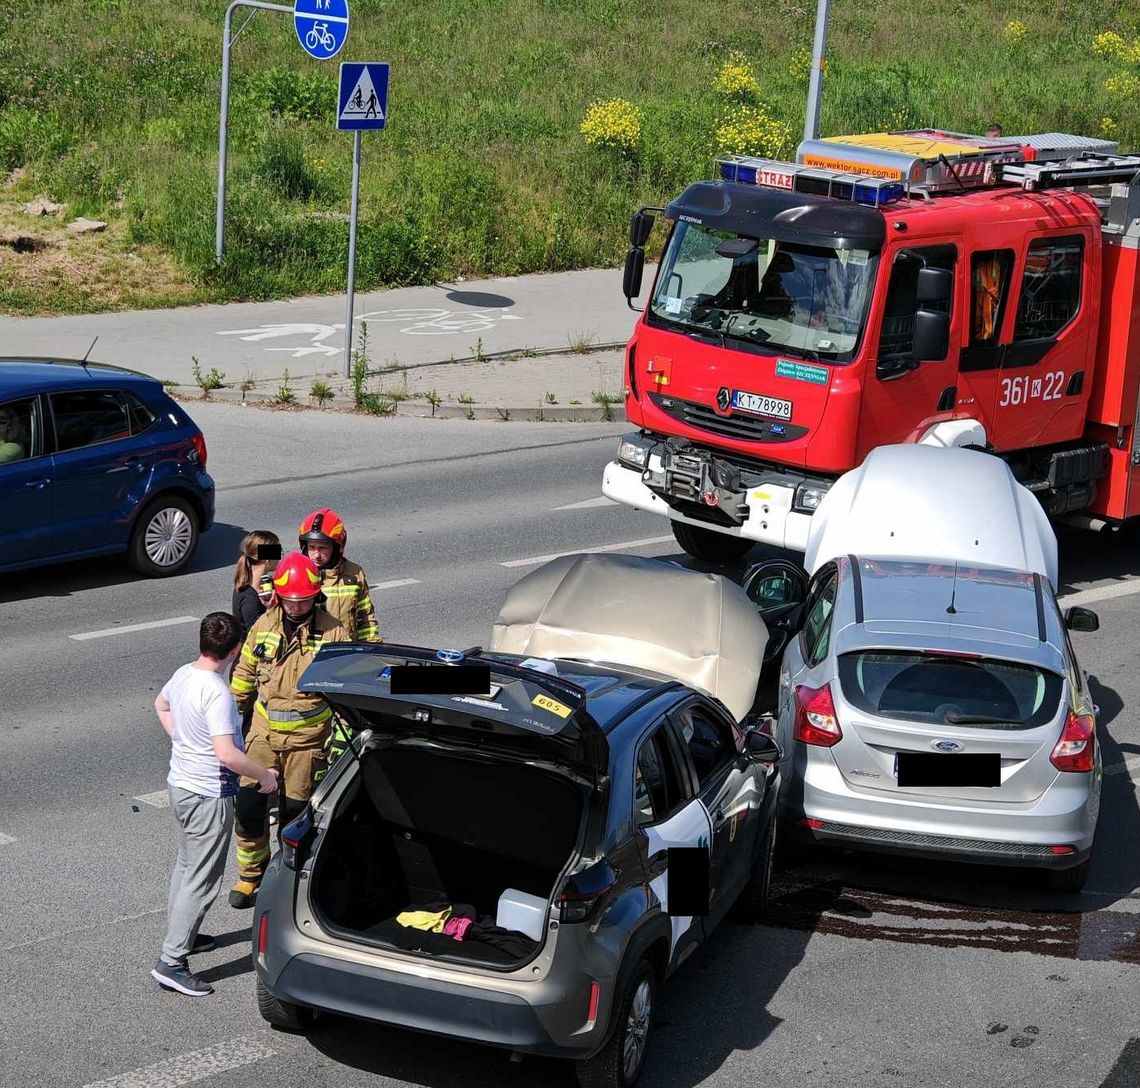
(954,718)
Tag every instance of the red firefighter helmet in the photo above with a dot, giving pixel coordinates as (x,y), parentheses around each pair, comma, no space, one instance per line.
(323,526)
(297,578)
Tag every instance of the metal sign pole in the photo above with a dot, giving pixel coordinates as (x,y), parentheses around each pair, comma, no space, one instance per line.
(228,38)
(356,141)
(815,84)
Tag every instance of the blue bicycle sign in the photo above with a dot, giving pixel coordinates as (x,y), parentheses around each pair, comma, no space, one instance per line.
(321,25)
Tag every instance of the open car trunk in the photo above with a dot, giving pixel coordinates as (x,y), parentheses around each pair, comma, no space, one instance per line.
(428,828)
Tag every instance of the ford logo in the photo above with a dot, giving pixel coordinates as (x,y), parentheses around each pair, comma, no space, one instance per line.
(452,657)
(947,746)
(724,398)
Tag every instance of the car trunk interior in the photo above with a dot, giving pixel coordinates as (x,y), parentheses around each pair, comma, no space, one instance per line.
(425,828)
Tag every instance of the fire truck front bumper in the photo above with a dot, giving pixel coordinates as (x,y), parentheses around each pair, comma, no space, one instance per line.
(696,487)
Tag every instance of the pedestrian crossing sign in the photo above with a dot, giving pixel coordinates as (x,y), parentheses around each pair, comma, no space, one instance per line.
(363,99)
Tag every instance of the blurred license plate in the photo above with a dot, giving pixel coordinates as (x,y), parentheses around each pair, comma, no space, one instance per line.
(758,405)
(929,769)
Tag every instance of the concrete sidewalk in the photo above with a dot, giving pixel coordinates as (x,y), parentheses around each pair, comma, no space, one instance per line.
(575,386)
(259,341)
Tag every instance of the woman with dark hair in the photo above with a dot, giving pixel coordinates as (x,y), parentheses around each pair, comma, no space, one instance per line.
(250,598)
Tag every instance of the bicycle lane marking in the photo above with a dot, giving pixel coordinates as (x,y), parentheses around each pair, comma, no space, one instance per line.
(414,321)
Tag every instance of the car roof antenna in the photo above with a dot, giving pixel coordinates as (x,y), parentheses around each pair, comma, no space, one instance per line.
(83,361)
(950,609)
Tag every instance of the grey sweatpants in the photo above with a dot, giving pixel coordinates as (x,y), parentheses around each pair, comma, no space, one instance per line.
(205,825)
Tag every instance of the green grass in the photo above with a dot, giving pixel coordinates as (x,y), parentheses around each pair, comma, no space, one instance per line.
(111,105)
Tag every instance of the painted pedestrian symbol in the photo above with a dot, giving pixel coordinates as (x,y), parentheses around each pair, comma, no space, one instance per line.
(322,26)
(363,100)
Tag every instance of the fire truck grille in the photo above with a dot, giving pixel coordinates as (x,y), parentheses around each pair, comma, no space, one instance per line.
(706,418)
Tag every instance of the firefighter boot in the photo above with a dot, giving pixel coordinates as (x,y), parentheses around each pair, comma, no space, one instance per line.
(251,829)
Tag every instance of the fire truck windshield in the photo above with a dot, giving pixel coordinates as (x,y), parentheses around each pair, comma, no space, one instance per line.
(764,294)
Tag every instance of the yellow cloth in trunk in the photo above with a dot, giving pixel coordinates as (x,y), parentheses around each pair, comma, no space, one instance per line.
(431,921)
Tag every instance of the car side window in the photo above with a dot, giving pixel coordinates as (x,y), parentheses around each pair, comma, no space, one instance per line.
(142,416)
(87,417)
(656,787)
(19,431)
(710,742)
(817,626)
(897,337)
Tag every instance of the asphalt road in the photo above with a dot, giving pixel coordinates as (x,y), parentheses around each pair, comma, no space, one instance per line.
(867,972)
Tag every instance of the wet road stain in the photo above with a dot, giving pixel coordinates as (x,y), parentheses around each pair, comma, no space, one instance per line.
(834,907)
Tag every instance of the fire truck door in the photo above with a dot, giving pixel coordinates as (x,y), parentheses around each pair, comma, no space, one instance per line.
(1037,397)
(902,395)
(979,365)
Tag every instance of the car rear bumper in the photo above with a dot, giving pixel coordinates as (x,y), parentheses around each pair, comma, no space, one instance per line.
(770,520)
(545,1013)
(1012,833)
(206,490)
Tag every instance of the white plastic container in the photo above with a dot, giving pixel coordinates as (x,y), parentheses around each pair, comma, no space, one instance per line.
(522,912)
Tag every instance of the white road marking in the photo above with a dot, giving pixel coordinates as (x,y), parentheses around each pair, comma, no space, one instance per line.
(191,1066)
(394,585)
(150,626)
(6,840)
(1124,588)
(586,504)
(1127,766)
(158,799)
(577,551)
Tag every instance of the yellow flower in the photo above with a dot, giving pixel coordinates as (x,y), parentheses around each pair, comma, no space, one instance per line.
(1109,44)
(752,130)
(1125,86)
(1107,127)
(614,123)
(1015,30)
(736,78)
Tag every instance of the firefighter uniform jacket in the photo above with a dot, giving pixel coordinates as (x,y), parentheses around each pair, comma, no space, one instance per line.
(345,587)
(269,669)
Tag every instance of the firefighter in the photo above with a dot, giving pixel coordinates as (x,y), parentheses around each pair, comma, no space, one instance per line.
(290,729)
(323,538)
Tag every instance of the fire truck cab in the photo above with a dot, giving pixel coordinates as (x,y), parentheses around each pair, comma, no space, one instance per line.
(924,287)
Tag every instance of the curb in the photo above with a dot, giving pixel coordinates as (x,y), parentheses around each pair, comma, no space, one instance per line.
(415,408)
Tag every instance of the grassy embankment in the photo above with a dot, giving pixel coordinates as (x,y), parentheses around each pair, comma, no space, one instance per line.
(110,107)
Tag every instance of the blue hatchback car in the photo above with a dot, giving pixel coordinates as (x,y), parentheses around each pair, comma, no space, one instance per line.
(94,460)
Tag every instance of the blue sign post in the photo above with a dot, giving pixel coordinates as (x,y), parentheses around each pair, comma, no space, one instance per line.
(321,25)
(361,104)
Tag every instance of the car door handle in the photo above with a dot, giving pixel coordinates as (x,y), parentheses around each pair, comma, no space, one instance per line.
(39,483)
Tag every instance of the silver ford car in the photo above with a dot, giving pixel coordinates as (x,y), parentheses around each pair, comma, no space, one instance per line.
(934,709)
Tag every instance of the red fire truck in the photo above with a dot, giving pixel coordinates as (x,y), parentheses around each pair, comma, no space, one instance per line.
(922,286)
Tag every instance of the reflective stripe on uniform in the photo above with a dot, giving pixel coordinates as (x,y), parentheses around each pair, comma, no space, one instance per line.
(241,687)
(286,721)
(253,857)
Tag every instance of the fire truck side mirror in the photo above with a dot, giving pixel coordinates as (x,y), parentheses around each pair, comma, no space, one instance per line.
(931,335)
(935,284)
(634,268)
(640,227)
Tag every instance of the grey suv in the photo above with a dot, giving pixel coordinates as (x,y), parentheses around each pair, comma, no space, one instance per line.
(613,806)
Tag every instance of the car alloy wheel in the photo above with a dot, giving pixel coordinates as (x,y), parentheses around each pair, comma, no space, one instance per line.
(169,535)
(637,1029)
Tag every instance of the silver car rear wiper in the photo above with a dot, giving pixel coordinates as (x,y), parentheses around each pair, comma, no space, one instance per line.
(955,718)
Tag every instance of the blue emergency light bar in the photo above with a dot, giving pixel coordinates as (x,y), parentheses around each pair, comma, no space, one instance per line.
(795,178)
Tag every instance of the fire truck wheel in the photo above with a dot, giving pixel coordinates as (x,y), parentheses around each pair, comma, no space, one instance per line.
(709,545)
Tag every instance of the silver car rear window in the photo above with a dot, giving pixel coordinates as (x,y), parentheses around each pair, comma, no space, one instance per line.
(949,689)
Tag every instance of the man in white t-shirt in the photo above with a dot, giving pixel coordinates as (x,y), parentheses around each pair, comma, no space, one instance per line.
(206,759)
